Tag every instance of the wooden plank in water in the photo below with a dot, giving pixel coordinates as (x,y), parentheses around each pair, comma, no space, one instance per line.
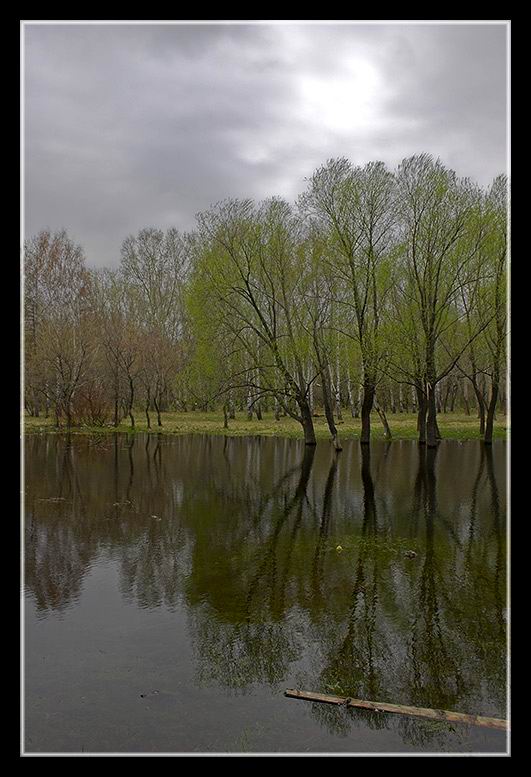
(380,706)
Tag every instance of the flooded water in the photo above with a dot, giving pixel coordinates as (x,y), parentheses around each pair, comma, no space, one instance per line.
(175,587)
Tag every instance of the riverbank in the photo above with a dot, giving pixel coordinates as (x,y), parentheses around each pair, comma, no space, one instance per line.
(453,426)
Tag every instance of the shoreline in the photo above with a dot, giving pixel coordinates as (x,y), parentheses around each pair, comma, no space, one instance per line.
(453,426)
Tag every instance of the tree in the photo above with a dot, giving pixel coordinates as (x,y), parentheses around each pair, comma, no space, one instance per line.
(440,247)
(154,268)
(254,286)
(58,321)
(354,207)
(496,333)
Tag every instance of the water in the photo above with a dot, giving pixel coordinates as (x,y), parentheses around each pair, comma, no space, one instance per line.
(176,586)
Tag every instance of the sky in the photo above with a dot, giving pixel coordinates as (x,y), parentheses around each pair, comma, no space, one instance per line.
(133,126)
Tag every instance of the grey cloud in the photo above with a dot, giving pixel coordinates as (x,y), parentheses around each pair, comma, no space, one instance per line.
(128,126)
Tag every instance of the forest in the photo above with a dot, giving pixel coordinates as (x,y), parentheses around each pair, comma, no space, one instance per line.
(377,291)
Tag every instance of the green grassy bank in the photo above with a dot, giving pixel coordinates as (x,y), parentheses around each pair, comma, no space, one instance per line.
(453,426)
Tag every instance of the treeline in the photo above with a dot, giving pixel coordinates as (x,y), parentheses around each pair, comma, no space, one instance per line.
(377,291)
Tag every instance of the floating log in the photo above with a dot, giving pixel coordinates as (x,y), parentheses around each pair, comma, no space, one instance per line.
(421,712)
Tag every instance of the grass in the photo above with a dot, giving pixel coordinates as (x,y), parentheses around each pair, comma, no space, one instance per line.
(453,426)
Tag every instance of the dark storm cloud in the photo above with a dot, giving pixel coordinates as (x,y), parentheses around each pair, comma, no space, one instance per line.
(129,126)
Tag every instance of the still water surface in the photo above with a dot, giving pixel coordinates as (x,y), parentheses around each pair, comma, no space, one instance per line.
(175,586)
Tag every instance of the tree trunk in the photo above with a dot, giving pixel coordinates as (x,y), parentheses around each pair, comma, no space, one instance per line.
(437,393)
(349,395)
(453,397)
(147,415)
(421,415)
(489,427)
(338,391)
(392,399)
(327,402)
(446,395)
(131,400)
(465,396)
(481,406)
(358,403)
(116,398)
(383,418)
(249,406)
(431,421)
(225,417)
(368,400)
(157,408)
(68,412)
(307,421)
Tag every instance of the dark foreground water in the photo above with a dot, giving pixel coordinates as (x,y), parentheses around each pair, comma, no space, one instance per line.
(175,587)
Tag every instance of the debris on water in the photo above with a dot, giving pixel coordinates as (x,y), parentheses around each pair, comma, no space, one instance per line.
(410,554)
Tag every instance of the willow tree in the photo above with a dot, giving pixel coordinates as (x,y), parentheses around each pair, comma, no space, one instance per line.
(441,247)
(354,207)
(496,332)
(253,285)
(318,294)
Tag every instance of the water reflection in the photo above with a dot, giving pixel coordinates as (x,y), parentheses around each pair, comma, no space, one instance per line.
(242,535)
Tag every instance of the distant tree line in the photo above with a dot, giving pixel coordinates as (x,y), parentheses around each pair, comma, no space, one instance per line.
(377,291)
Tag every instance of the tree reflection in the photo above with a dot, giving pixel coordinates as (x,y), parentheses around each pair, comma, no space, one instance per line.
(434,652)
(354,661)
(243,535)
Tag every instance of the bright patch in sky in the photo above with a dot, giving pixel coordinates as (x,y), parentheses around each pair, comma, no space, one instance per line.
(345,102)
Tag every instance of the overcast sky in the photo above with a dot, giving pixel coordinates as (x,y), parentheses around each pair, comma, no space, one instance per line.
(128,126)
